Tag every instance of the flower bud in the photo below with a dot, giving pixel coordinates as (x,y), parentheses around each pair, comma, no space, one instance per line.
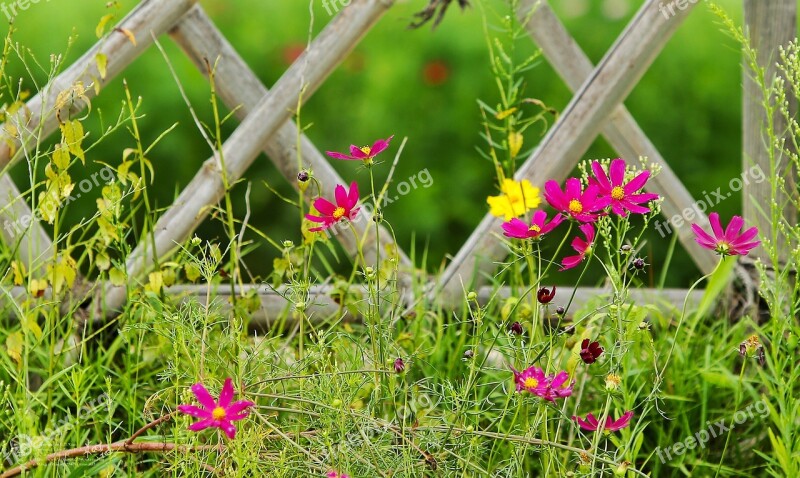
(472,296)
(545,295)
(303,175)
(399,365)
(638,263)
(515,328)
(469,354)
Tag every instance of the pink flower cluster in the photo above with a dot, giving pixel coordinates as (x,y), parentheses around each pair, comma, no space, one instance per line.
(604,193)
(610,192)
(549,387)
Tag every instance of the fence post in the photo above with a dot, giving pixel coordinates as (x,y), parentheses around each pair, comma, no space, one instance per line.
(770,24)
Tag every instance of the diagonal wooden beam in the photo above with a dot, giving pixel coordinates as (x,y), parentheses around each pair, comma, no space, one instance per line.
(621,130)
(38,120)
(21,230)
(297,84)
(240,89)
(582,120)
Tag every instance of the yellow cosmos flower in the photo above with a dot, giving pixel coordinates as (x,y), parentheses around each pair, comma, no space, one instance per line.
(517,198)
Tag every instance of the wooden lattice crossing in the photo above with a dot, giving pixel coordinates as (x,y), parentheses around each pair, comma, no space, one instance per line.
(265,126)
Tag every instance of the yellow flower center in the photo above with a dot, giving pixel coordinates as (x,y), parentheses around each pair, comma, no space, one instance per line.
(575,207)
(366,150)
(338,213)
(617,193)
(530,382)
(535,228)
(218,413)
(723,248)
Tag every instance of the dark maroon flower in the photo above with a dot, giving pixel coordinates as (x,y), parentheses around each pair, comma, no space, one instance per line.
(590,351)
(545,295)
(303,176)
(560,310)
(515,328)
(638,263)
(399,366)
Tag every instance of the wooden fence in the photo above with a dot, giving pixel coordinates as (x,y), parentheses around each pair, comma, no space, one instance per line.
(265,126)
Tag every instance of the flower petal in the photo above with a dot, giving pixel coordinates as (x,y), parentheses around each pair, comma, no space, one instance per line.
(600,177)
(637,183)
(616,171)
(226,394)
(201,425)
(194,411)
(341,196)
(335,155)
(716,227)
(203,396)
(733,228)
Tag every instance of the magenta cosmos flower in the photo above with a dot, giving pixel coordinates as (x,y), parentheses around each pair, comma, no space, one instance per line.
(728,242)
(623,196)
(583,205)
(590,351)
(336,474)
(534,380)
(217,414)
(364,153)
(333,213)
(591,424)
(538,227)
(583,248)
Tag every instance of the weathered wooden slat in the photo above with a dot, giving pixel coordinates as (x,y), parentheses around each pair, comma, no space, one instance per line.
(621,130)
(770,24)
(20,228)
(240,150)
(240,89)
(570,137)
(38,119)
(321,307)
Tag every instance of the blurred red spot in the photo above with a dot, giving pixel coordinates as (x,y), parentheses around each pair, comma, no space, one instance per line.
(292,52)
(435,73)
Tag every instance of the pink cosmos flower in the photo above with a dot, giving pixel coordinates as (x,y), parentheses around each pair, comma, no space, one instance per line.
(583,248)
(591,424)
(557,387)
(365,153)
(336,474)
(728,242)
(534,380)
(333,213)
(217,414)
(583,205)
(539,226)
(623,196)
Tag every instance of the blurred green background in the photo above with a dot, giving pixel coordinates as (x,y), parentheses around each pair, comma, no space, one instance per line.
(420,84)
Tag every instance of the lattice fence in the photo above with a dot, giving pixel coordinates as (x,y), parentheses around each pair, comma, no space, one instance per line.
(265,126)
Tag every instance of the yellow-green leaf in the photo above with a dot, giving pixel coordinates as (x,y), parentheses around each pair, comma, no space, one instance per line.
(128,34)
(192,272)
(101,27)
(514,143)
(117,277)
(102,261)
(14,344)
(72,131)
(61,156)
(102,62)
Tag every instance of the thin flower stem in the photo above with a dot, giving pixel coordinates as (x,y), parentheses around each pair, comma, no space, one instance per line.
(736,407)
